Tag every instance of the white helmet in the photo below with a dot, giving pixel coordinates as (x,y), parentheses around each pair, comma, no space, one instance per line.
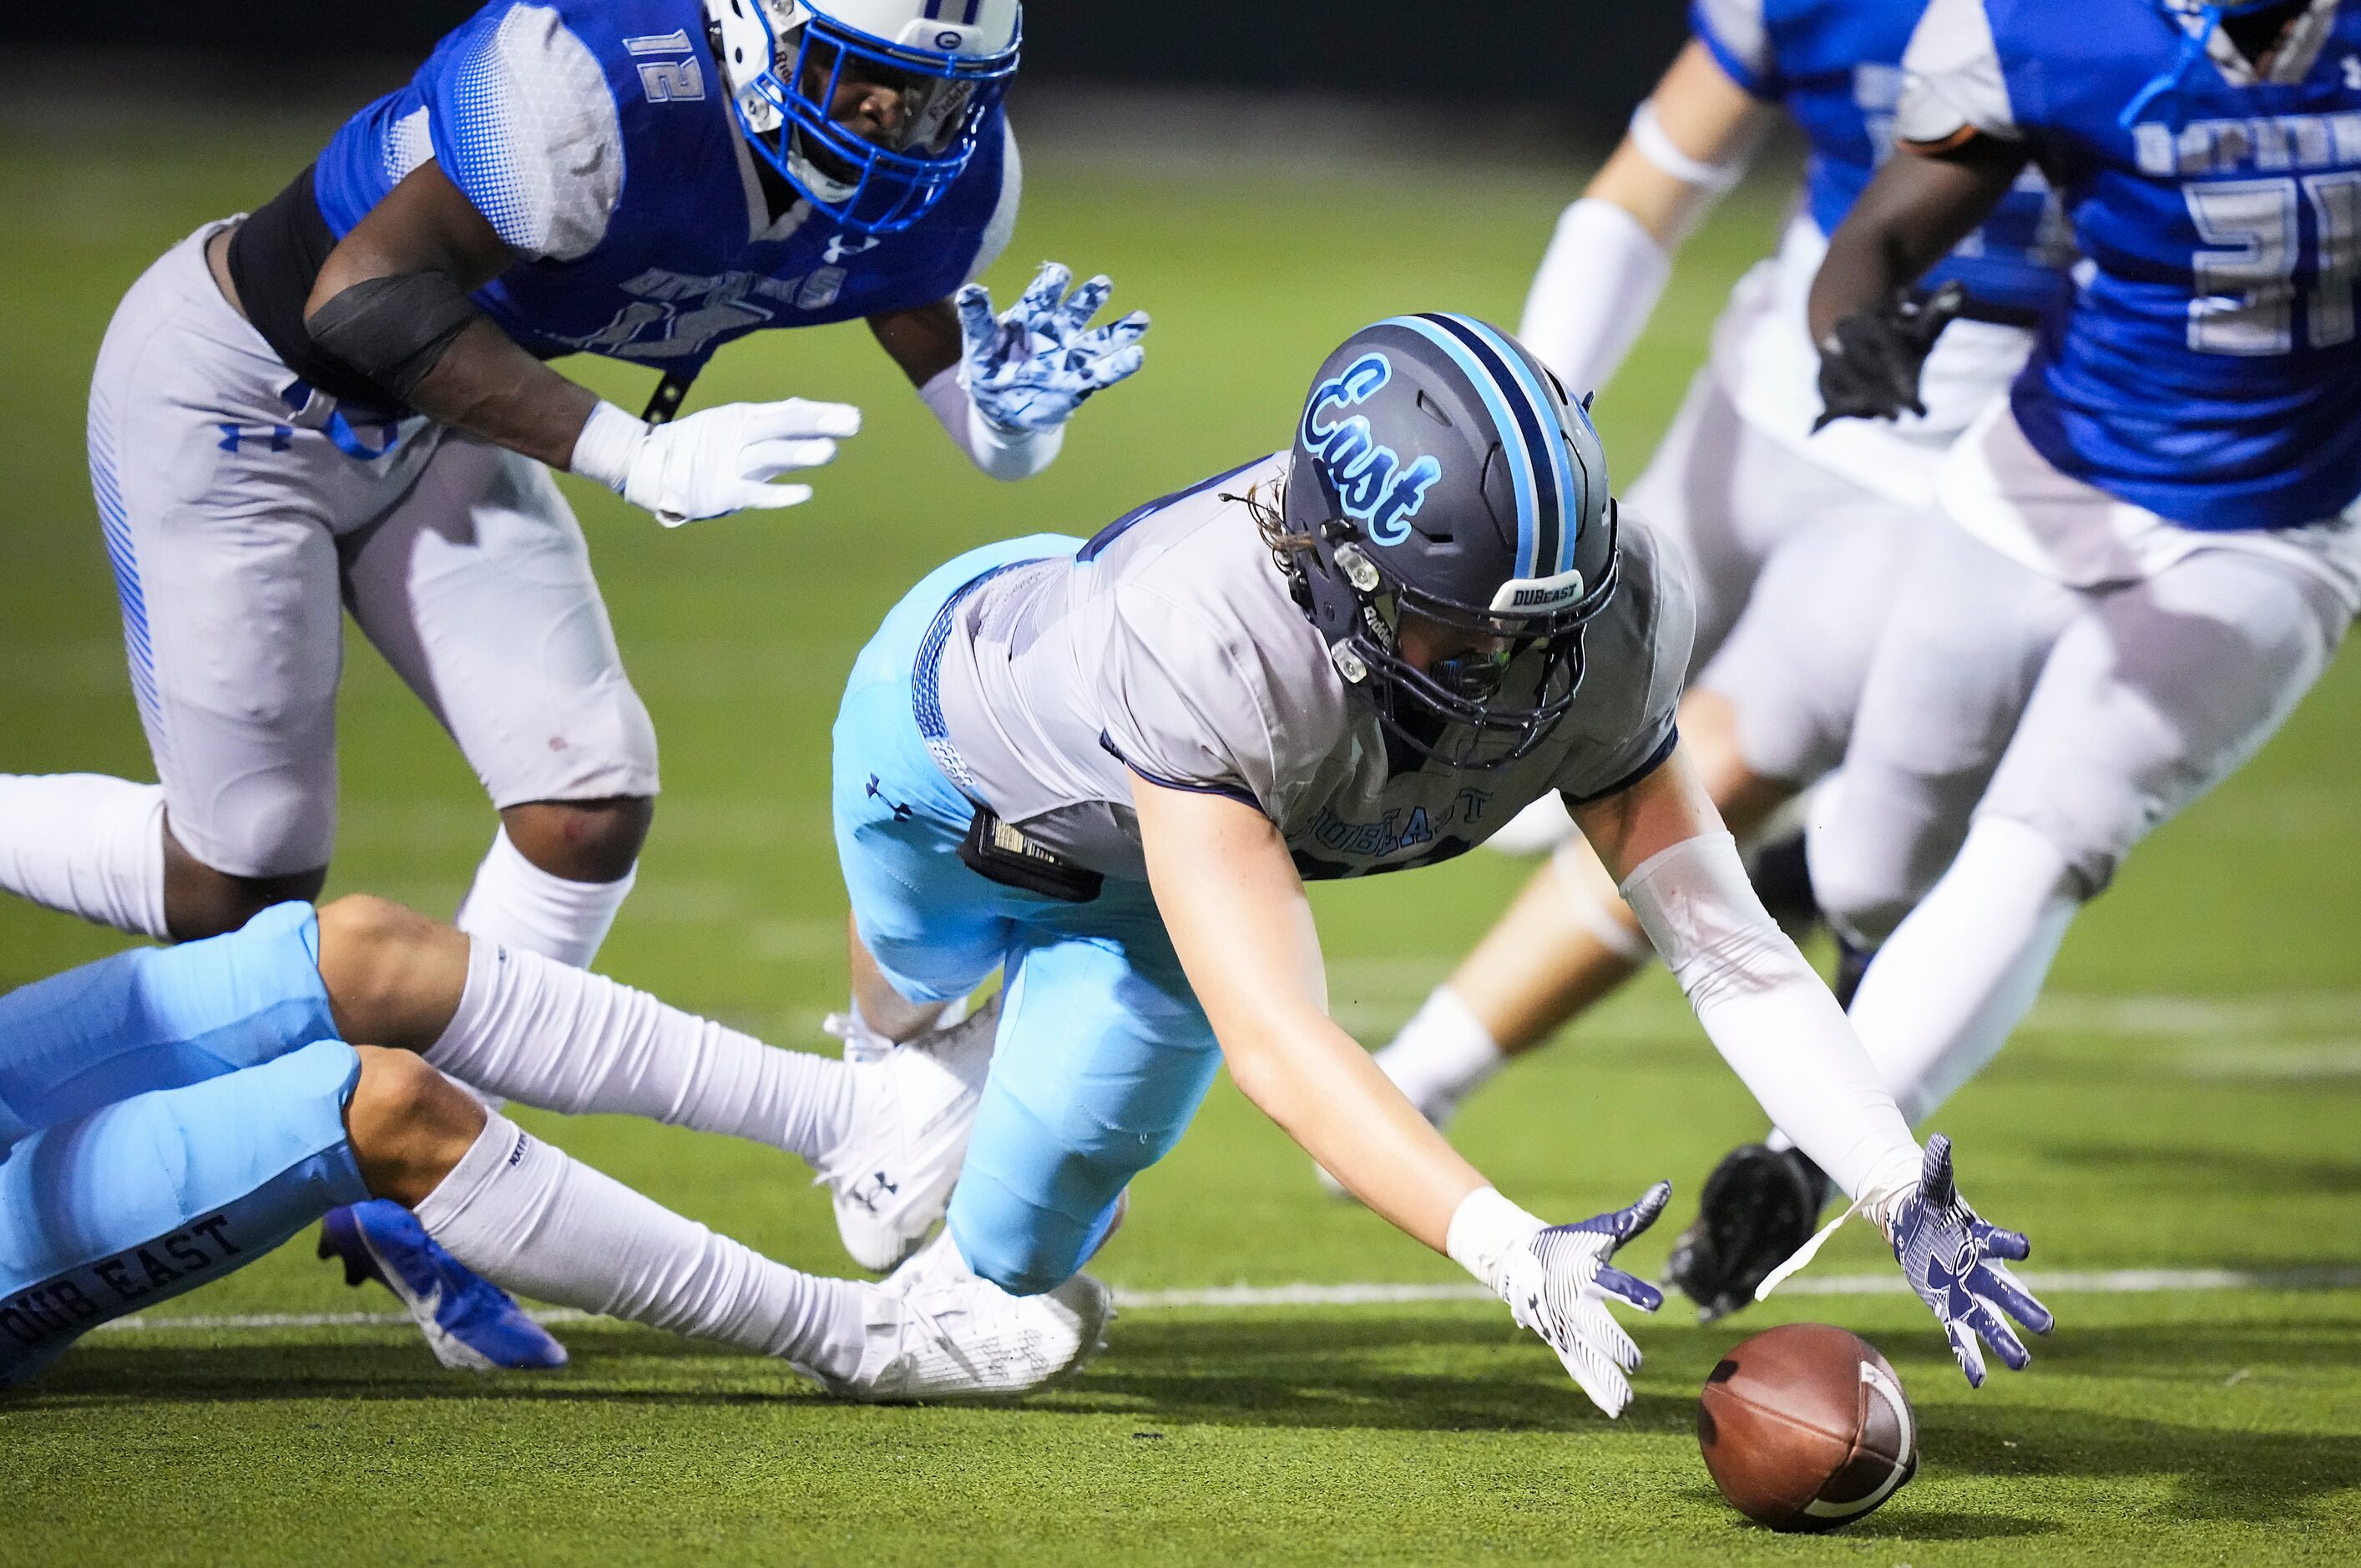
(950,60)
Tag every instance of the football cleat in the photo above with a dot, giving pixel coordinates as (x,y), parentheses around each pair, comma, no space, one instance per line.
(912,1111)
(1758,1209)
(939,1331)
(470,1323)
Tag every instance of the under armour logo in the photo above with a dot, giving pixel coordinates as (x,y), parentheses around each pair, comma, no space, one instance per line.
(867,1195)
(843,245)
(876,792)
(280,436)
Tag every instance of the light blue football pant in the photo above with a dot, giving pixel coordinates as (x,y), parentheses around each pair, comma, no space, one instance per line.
(167,1115)
(1103,1053)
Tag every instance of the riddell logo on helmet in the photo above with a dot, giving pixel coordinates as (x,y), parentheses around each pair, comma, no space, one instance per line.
(1372,484)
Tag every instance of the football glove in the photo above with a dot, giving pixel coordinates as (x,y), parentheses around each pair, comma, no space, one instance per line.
(1031,366)
(1870,361)
(1953,1258)
(1557,1284)
(714,462)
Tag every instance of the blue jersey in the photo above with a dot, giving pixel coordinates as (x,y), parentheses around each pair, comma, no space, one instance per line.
(1836,67)
(2209,370)
(596,136)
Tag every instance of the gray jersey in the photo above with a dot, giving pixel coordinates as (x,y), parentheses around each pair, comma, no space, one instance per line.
(1169,647)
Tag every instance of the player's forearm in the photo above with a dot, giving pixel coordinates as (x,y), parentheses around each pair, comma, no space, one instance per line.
(1327,1093)
(1770,1016)
(1911,216)
(487,385)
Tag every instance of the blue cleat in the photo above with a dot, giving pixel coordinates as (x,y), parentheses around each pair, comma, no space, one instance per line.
(469,1322)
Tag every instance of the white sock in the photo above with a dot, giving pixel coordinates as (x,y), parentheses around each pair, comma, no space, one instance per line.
(1442,1054)
(85,844)
(517,905)
(565,1039)
(534,1220)
(1961,971)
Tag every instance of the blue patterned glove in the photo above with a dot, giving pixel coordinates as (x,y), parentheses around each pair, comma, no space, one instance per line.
(1952,1257)
(1557,1285)
(1031,368)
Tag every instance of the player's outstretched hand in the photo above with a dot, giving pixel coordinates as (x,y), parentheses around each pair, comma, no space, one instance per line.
(1870,361)
(1558,1283)
(1952,1257)
(715,461)
(1032,366)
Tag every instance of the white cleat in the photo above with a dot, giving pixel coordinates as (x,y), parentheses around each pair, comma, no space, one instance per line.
(936,1331)
(912,1109)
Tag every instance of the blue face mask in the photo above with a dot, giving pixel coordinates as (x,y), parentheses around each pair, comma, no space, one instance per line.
(878,185)
(2192,50)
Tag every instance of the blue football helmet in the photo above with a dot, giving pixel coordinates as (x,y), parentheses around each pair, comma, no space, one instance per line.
(1440,471)
(788,62)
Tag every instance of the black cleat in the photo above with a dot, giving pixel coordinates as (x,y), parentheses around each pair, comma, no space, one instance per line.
(1759,1206)
(1782,879)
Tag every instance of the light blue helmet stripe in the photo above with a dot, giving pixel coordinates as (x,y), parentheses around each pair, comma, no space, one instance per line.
(1561,472)
(1512,437)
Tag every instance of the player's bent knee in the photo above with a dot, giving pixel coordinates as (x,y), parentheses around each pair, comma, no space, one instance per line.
(582,840)
(374,954)
(199,902)
(408,1124)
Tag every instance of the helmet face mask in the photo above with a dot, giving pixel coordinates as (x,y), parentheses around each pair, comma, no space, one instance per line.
(1443,492)
(793,66)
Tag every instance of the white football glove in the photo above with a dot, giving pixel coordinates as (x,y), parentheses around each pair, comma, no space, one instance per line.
(1558,1282)
(1031,366)
(714,462)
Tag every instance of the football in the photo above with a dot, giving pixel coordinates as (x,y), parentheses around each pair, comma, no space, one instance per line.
(1805,1428)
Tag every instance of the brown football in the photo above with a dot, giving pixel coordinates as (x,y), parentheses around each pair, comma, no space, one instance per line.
(1806,1427)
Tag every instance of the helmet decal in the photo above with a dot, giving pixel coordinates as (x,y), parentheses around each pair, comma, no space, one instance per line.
(1371,483)
(1442,418)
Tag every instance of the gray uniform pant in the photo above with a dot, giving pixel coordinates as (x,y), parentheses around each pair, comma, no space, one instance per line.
(243,518)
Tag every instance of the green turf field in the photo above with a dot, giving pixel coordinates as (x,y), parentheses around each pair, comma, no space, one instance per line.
(2186,1097)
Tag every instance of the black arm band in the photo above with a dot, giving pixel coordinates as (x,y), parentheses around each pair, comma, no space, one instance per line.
(393,330)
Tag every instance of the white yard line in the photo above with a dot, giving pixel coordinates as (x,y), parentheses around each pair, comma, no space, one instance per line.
(2104,1282)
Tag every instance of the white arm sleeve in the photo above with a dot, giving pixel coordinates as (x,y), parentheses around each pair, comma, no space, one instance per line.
(1002,454)
(1598,282)
(1770,1016)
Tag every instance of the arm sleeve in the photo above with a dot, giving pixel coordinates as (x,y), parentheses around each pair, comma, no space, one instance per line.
(1733,32)
(1770,1016)
(1183,705)
(1596,285)
(523,122)
(1952,85)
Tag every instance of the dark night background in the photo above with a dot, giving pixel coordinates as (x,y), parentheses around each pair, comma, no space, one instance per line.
(1576,65)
